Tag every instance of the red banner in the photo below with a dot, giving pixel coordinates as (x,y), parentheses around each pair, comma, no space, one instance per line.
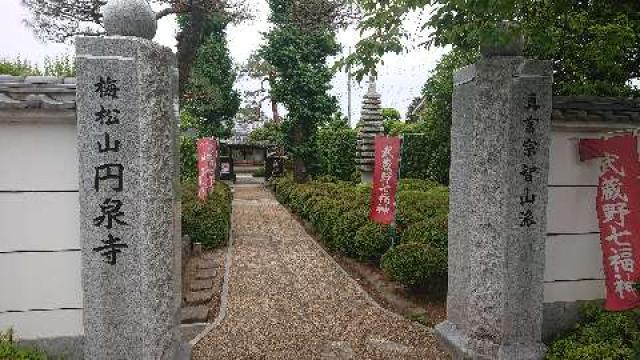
(207,155)
(385,180)
(618,207)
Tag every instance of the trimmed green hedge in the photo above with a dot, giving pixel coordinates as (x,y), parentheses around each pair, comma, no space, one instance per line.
(207,222)
(600,335)
(339,213)
(415,264)
(9,350)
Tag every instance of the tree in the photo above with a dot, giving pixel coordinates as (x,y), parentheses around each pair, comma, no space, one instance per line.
(594,45)
(209,94)
(302,39)
(260,69)
(60,20)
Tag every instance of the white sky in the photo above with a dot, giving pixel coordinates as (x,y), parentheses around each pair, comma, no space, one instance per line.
(400,78)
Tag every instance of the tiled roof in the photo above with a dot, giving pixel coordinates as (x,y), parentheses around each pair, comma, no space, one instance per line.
(37,92)
(596,109)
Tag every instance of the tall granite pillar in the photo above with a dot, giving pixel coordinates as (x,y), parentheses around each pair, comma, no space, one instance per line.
(497,221)
(127,126)
(372,125)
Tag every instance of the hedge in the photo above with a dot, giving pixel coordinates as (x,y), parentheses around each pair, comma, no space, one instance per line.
(207,222)
(338,211)
(415,264)
(600,335)
(9,350)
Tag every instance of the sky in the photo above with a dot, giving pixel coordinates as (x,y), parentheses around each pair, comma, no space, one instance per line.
(400,77)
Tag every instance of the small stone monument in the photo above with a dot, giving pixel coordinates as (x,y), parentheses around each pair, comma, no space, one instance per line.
(497,221)
(129,204)
(372,126)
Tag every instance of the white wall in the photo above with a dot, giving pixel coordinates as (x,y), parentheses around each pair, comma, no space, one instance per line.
(40,286)
(574,269)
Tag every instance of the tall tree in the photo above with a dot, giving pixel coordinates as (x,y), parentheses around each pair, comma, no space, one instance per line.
(298,47)
(60,20)
(595,45)
(210,96)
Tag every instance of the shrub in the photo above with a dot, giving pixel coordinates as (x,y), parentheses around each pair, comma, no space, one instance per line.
(259,173)
(344,230)
(415,265)
(417,206)
(207,222)
(600,335)
(432,231)
(416,185)
(371,242)
(9,350)
(336,150)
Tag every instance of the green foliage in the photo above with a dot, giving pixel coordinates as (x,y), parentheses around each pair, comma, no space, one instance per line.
(62,66)
(339,213)
(299,54)
(594,45)
(259,173)
(271,133)
(210,96)
(397,127)
(600,335)
(206,222)
(391,114)
(371,242)
(415,264)
(432,231)
(9,350)
(417,206)
(336,150)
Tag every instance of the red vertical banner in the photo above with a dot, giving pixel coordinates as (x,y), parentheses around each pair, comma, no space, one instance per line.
(205,173)
(385,180)
(213,163)
(618,208)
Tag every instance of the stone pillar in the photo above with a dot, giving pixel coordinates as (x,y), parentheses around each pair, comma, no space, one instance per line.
(372,125)
(127,126)
(497,222)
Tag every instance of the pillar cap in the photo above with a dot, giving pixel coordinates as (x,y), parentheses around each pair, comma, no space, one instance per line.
(130,18)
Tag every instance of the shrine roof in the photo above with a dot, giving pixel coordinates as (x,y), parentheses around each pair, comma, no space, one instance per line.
(37,93)
(596,109)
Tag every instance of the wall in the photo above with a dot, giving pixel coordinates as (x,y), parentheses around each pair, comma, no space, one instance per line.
(573,270)
(40,286)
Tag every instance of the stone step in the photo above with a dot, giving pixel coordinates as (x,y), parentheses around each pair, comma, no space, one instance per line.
(199,297)
(206,274)
(194,314)
(202,264)
(197,285)
(388,346)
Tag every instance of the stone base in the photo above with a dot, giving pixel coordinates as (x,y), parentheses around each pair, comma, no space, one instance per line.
(367,177)
(69,348)
(456,343)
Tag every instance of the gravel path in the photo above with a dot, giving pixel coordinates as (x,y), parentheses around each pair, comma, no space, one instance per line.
(289,300)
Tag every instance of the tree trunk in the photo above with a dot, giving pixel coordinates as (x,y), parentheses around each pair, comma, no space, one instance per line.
(189,41)
(300,169)
(274,103)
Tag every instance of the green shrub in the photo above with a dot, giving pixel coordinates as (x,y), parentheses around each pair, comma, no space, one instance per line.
(259,173)
(416,185)
(207,222)
(415,265)
(343,230)
(418,206)
(336,150)
(371,242)
(432,231)
(9,350)
(600,335)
